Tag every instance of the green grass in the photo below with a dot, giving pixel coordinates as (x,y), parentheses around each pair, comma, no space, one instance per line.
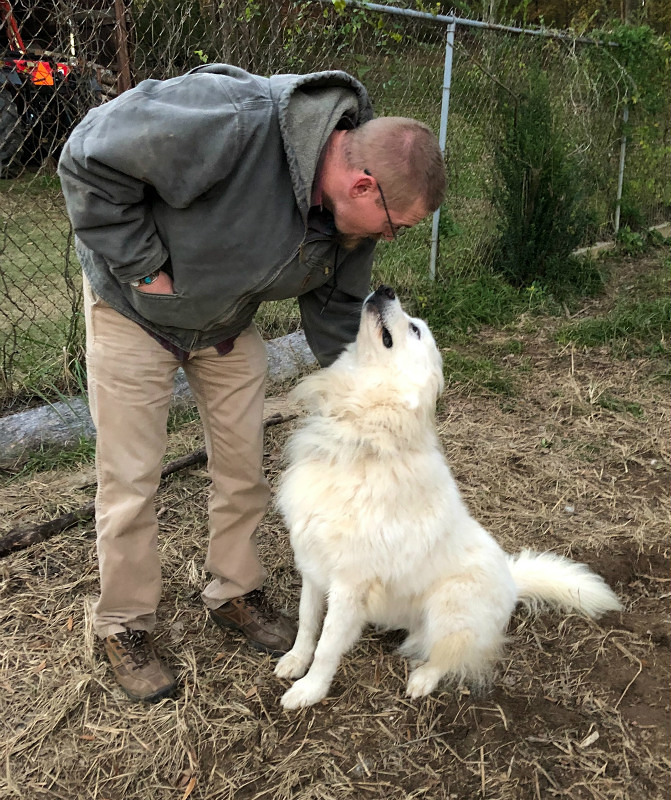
(611,403)
(43,361)
(47,459)
(461,306)
(633,327)
(179,416)
(477,373)
(31,184)
(41,285)
(509,347)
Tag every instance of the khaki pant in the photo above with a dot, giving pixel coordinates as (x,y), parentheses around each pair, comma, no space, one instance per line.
(130,382)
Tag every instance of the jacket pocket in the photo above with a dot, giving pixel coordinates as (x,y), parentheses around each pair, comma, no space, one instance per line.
(318,271)
(315,265)
(161,309)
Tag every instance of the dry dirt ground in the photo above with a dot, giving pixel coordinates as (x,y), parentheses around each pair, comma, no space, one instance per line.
(574,460)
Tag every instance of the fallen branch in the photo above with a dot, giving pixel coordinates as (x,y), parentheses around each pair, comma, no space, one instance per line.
(25,535)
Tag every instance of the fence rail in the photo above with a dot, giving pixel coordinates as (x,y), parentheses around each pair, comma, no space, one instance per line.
(76,54)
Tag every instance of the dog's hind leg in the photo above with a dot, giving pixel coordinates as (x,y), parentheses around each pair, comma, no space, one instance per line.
(412,646)
(449,656)
(342,627)
(461,641)
(294,664)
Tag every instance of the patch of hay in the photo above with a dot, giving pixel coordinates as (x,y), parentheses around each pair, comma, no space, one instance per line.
(580,710)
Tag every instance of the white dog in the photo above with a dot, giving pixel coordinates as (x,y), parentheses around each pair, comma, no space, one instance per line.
(379,529)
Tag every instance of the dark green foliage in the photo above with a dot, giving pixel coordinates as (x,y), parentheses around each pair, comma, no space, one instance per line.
(570,277)
(643,57)
(539,194)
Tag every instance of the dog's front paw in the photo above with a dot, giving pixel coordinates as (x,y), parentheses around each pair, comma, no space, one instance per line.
(304,692)
(291,666)
(422,681)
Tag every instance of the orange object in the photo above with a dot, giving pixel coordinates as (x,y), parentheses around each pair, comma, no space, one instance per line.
(41,74)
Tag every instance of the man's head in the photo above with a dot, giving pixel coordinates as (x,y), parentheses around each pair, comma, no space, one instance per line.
(382,177)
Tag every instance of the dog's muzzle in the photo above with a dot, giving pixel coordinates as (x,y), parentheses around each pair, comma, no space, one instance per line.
(381,296)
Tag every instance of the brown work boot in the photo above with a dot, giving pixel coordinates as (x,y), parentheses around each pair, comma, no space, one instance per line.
(138,669)
(251,614)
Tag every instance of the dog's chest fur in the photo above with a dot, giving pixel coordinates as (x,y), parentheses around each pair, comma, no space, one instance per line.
(354,510)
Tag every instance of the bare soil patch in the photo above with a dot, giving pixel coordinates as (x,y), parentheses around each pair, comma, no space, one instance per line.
(579,709)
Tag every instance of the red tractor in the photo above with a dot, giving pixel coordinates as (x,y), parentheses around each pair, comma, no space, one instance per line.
(41,100)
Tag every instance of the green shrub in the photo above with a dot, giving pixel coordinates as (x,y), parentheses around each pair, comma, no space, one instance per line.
(539,194)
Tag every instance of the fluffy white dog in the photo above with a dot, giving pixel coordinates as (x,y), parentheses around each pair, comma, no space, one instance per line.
(379,529)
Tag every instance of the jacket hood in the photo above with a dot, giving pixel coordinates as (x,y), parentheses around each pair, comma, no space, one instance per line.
(310,108)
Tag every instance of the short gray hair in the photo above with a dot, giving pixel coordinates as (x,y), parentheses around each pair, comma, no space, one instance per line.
(403,154)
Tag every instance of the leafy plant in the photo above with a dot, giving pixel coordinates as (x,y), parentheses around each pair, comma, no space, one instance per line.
(633,77)
(643,57)
(539,193)
(629,241)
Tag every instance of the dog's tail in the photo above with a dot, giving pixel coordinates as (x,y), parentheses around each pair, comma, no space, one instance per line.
(548,579)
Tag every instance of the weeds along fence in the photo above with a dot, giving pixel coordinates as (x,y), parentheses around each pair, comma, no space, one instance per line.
(96,49)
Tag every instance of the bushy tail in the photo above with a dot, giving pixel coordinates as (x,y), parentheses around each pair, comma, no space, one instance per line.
(544,578)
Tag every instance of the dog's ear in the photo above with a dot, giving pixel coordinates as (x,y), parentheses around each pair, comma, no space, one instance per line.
(426,395)
(411,400)
(322,390)
(310,392)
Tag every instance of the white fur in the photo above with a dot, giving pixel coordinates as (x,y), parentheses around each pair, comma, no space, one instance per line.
(380,532)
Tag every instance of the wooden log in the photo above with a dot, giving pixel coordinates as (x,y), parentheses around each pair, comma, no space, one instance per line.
(66,423)
(32,533)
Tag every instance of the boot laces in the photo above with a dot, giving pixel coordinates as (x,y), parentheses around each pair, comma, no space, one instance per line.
(136,647)
(259,605)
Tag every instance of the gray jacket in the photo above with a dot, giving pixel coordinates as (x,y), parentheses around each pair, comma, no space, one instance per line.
(209,176)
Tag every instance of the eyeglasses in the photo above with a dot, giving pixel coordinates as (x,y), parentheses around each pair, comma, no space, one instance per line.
(396,230)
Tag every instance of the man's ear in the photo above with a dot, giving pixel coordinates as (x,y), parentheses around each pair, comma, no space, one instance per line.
(361,184)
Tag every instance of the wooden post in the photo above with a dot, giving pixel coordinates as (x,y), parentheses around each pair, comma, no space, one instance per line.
(124,79)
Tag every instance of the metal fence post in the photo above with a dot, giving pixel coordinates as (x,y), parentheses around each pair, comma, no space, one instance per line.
(620,174)
(442,136)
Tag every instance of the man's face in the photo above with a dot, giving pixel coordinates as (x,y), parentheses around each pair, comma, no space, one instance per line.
(361,215)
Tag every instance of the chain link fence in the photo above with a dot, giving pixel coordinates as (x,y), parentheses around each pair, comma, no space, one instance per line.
(60,58)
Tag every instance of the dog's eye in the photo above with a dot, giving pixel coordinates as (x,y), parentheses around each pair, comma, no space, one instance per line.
(415,330)
(386,338)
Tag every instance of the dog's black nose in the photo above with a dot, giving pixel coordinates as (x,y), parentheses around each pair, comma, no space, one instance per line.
(387,291)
